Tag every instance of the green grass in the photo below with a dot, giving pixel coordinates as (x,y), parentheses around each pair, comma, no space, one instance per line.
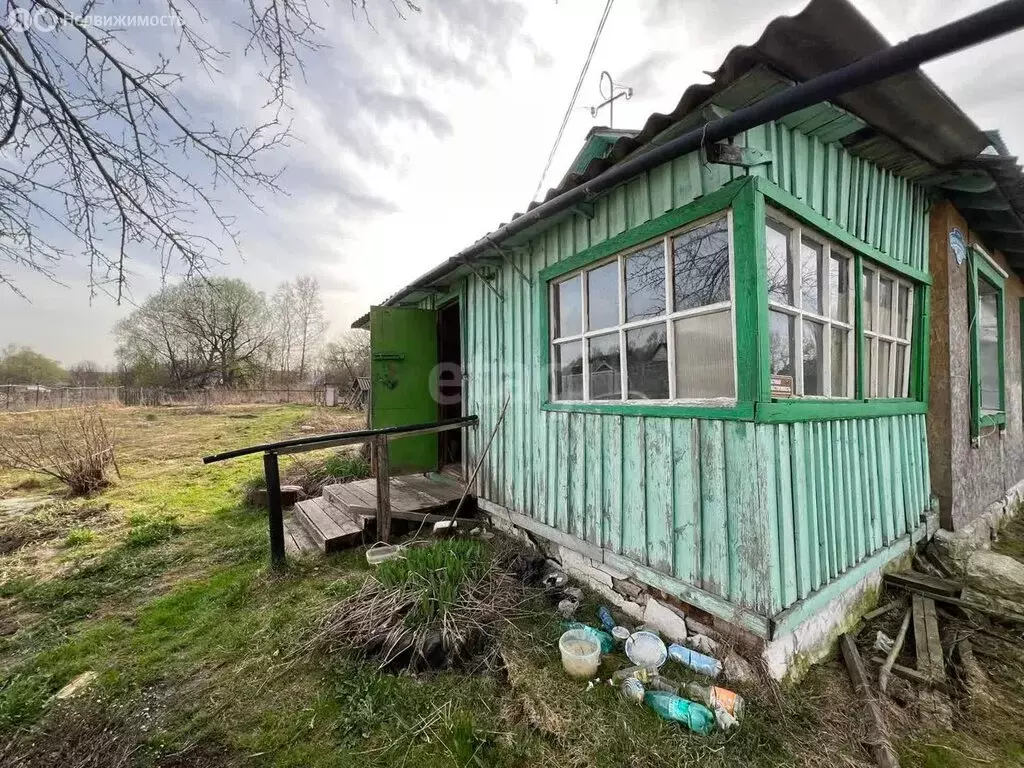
(78,537)
(435,574)
(167,595)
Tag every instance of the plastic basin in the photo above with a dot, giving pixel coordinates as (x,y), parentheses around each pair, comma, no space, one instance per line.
(581,655)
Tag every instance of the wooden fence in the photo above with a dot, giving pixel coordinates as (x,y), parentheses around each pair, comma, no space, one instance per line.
(32,397)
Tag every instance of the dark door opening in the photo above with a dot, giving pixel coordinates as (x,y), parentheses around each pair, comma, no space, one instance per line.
(449,383)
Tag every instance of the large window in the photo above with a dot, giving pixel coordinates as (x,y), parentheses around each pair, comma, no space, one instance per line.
(985,302)
(811,312)
(652,323)
(888,323)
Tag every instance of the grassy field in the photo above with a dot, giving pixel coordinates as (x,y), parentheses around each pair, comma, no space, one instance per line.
(160,586)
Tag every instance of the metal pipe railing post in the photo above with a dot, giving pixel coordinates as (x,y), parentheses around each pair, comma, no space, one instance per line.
(272,475)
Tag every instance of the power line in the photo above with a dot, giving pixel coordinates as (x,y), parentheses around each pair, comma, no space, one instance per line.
(575,94)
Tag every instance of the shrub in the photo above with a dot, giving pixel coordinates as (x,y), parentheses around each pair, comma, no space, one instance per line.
(73,446)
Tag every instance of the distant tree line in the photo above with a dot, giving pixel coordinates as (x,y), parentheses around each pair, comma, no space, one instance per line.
(222,332)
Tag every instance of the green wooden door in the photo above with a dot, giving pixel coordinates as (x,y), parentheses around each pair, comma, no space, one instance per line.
(403,345)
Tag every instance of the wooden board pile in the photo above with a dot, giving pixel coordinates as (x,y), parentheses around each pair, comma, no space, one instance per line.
(923,598)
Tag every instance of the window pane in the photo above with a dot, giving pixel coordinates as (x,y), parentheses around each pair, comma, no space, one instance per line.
(645,283)
(869,299)
(810,276)
(884,356)
(647,363)
(814,358)
(780,266)
(870,346)
(884,305)
(902,315)
(900,389)
(605,367)
(568,368)
(840,363)
(568,307)
(781,347)
(704,363)
(839,287)
(700,265)
(988,336)
(603,296)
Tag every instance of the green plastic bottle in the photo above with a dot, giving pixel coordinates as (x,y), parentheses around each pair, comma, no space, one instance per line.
(696,717)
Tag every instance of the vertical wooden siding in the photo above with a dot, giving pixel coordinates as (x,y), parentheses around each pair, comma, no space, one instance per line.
(761,515)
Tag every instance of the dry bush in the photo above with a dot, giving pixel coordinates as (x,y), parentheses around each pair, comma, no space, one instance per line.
(72,446)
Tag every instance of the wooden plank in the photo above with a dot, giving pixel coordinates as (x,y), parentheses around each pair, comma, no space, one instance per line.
(325,530)
(715,553)
(686,536)
(897,646)
(922,581)
(877,735)
(659,492)
(634,521)
(905,672)
(611,469)
(887,608)
(924,663)
(931,626)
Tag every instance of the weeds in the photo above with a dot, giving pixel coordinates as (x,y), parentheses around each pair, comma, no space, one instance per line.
(78,536)
(73,446)
(435,575)
(146,533)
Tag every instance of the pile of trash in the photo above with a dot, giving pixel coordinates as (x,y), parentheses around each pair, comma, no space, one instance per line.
(700,706)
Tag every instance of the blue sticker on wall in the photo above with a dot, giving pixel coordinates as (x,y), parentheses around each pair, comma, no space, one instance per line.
(958,244)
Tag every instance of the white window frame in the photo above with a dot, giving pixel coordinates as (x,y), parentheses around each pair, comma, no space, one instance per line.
(873,335)
(797,232)
(667,319)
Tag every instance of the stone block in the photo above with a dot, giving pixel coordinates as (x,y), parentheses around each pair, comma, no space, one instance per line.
(665,620)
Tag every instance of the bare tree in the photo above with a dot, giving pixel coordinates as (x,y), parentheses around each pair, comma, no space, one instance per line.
(310,324)
(347,357)
(103,159)
(282,306)
(214,332)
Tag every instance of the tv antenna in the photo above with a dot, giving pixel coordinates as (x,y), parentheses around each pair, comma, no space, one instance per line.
(615,91)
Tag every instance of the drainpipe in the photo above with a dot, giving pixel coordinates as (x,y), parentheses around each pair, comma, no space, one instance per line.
(998,20)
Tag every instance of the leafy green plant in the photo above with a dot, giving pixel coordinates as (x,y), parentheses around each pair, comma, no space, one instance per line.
(78,536)
(434,575)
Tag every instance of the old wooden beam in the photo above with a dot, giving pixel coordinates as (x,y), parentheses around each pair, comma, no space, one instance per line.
(877,736)
(923,663)
(897,646)
(887,608)
(905,672)
(382,473)
(968,605)
(931,627)
(923,581)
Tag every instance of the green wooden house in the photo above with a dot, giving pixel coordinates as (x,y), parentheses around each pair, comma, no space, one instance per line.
(712,379)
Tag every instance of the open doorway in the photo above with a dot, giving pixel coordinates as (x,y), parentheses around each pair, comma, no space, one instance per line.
(449,385)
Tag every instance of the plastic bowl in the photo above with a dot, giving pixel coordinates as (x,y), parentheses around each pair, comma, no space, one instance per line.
(645,649)
(580,654)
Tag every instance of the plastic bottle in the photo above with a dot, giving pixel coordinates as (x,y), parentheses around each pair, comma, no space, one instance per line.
(606,641)
(643,674)
(605,617)
(698,662)
(714,697)
(694,716)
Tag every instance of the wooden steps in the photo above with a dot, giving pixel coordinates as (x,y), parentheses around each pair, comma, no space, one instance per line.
(345,515)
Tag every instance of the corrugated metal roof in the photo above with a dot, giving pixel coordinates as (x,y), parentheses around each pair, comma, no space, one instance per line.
(905,123)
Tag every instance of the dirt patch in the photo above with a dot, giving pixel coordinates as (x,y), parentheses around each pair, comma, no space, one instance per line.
(45,521)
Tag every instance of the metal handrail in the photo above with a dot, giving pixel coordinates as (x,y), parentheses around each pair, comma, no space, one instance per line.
(379,437)
(317,442)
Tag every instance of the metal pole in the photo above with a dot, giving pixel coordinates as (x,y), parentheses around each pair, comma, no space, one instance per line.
(273,477)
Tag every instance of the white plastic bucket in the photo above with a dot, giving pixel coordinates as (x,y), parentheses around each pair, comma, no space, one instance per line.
(581,655)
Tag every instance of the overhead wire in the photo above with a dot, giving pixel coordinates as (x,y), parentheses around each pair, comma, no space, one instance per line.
(575,95)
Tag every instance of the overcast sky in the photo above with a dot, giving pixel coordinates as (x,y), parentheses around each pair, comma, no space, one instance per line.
(413,140)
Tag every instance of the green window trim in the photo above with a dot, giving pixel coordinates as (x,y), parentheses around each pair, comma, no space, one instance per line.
(748,197)
(982,269)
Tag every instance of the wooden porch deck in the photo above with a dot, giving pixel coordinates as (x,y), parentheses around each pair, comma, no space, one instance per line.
(345,514)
